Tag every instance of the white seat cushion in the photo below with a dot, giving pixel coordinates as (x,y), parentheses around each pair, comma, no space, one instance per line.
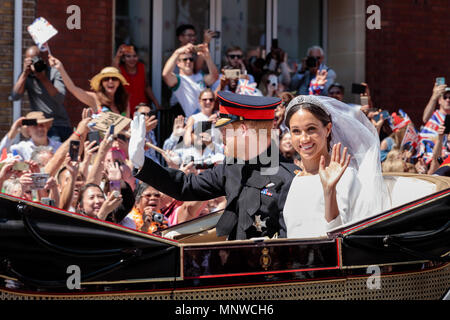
(407,189)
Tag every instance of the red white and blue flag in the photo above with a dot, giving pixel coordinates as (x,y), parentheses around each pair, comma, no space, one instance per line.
(411,137)
(398,121)
(247,88)
(428,136)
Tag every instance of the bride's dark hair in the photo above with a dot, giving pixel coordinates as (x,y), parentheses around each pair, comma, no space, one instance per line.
(316,111)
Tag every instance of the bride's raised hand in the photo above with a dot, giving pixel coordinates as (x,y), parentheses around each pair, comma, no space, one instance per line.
(330,175)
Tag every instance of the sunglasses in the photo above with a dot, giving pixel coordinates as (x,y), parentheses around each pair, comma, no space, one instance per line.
(446,97)
(235,56)
(110,78)
(208,99)
(186,59)
(148,114)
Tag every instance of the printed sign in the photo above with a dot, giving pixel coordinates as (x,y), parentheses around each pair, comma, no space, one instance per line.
(41,31)
(105,119)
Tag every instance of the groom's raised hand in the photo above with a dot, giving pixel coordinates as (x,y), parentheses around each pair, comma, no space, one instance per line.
(137,141)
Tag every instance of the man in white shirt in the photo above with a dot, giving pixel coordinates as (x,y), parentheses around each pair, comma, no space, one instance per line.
(38,136)
(187,85)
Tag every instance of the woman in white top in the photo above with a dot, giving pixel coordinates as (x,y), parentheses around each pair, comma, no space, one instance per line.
(336,185)
(207,103)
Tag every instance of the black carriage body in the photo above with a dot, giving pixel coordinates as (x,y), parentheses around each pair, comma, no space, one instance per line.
(38,244)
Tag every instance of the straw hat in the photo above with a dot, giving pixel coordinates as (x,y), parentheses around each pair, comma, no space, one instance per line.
(105,73)
(39,116)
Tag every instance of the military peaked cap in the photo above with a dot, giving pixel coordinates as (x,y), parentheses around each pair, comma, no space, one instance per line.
(236,107)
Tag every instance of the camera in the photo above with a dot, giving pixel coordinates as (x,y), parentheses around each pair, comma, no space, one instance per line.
(29,122)
(199,164)
(39,64)
(311,62)
(158,217)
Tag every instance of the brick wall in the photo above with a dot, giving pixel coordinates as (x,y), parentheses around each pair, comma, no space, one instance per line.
(6,65)
(84,52)
(408,53)
(7,53)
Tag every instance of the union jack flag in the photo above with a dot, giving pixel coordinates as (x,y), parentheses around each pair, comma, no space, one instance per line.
(428,136)
(411,137)
(247,88)
(396,122)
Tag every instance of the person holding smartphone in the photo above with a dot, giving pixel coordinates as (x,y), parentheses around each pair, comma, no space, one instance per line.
(429,132)
(36,130)
(187,85)
(234,57)
(435,99)
(313,65)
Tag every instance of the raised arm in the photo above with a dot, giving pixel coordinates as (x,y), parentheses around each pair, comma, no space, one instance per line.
(85,97)
(168,71)
(432,103)
(80,134)
(437,150)
(19,87)
(330,176)
(96,171)
(213,74)
(207,185)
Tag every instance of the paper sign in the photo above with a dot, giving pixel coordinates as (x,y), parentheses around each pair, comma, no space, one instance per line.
(106,119)
(41,31)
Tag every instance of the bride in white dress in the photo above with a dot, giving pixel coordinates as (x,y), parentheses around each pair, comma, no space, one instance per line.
(336,185)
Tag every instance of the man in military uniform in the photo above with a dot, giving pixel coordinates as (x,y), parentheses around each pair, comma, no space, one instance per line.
(253,181)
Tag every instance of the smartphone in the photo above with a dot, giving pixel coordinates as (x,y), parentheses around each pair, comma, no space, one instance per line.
(440,80)
(385,114)
(364,100)
(74,150)
(94,136)
(39,180)
(232,73)
(216,34)
(274,43)
(18,166)
(21,166)
(447,124)
(197,48)
(48,201)
(111,130)
(358,88)
(206,125)
(188,160)
(29,122)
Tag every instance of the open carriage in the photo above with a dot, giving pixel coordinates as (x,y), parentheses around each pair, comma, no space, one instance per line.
(402,253)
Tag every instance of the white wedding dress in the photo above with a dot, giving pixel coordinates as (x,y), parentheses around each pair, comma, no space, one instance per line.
(304,210)
(361,192)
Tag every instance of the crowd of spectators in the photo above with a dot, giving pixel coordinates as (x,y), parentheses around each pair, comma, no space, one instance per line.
(36,154)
